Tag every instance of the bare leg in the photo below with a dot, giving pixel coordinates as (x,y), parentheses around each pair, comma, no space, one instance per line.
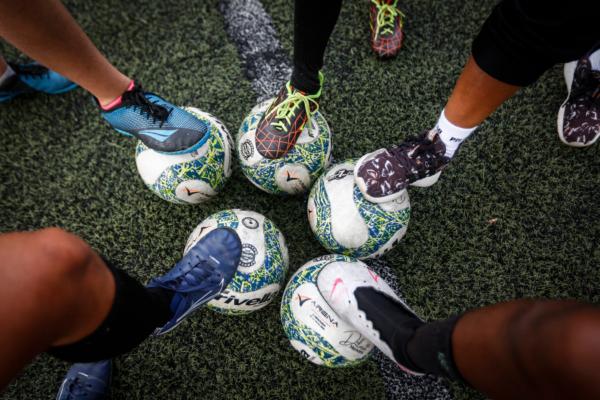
(60,271)
(45,31)
(531,349)
(475,96)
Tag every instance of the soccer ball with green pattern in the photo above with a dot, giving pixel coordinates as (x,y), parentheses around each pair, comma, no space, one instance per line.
(263,264)
(345,222)
(312,327)
(189,178)
(297,170)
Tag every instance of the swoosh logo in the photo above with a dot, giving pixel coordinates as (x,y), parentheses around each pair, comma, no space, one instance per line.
(335,284)
(373,275)
(290,177)
(302,299)
(191,191)
(158,134)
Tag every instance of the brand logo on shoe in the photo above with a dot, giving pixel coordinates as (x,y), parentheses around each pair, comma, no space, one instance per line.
(335,285)
(159,135)
(303,299)
(374,275)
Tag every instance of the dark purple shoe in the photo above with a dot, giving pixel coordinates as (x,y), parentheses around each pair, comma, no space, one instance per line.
(579,115)
(383,175)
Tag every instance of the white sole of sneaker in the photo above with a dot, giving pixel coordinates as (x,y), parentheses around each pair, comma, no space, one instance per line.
(426,182)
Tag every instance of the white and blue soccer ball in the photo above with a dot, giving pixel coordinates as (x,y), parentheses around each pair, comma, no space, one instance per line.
(344,222)
(297,170)
(312,327)
(263,265)
(189,178)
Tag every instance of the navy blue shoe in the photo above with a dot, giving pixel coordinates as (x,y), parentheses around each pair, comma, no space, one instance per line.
(159,124)
(203,272)
(31,78)
(89,381)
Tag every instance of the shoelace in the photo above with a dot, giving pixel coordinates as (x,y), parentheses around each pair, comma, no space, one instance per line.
(135,98)
(287,108)
(34,71)
(386,17)
(189,275)
(418,150)
(589,92)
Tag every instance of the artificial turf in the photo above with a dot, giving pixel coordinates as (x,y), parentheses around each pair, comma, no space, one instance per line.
(516,214)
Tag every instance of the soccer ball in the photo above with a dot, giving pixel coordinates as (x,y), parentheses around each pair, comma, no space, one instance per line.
(345,222)
(263,264)
(294,173)
(313,328)
(189,178)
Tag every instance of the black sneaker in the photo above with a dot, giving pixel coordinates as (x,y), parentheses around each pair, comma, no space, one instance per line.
(384,174)
(579,115)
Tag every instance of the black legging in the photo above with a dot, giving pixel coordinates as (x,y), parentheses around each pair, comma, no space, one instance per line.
(523,38)
(314,21)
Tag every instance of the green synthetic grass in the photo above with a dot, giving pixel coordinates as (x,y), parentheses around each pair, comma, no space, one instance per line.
(516,215)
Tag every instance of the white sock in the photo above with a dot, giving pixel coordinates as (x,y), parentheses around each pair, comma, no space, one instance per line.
(7,74)
(452,135)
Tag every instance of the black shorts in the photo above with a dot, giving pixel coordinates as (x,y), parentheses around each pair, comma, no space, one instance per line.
(521,39)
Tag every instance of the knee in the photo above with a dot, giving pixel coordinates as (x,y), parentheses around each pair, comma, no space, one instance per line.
(62,256)
(581,340)
(560,342)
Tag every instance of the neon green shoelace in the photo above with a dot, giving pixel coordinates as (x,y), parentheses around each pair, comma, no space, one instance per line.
(287,108)
(386,16)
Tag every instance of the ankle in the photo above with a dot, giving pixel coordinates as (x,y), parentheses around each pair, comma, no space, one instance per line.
(452,135)
(430,349)
(106,103)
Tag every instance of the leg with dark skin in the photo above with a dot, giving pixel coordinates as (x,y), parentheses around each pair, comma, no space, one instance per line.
(476,96)
(526,349)
(46,32)
(60,271)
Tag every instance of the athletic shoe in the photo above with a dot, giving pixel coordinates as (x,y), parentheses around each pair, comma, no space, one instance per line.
(284,120)
(159,124)
(90,381)
(203,272)
(31,78)
(579,115)
(386,27)
(382,175)
(363,299)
